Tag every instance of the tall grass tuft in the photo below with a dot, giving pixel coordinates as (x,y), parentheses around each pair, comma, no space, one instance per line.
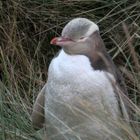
(26,28)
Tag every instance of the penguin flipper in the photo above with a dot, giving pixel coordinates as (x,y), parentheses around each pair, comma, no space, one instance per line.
(38,116)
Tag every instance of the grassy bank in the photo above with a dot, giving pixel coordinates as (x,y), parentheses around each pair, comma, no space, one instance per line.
(26,28)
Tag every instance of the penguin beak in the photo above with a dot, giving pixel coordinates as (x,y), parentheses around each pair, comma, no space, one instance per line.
(58,40)
(54,40)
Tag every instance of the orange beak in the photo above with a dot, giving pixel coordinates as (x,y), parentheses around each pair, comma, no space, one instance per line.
(57,40)
(54,40)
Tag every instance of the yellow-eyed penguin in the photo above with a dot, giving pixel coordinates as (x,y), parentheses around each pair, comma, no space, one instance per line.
(79,101)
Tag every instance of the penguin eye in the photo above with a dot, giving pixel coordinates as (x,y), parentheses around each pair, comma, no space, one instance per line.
(82,37)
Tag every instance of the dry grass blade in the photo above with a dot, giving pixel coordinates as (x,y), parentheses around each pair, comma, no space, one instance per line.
(131,47)
(26,28)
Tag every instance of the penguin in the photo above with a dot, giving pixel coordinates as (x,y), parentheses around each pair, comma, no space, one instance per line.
(80,100)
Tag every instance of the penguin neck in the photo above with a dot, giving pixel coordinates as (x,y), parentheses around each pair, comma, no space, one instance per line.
(73,63)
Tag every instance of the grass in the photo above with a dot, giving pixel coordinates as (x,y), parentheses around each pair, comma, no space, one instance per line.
(26,28)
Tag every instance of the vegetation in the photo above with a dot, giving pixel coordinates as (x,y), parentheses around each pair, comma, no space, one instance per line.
(26,28)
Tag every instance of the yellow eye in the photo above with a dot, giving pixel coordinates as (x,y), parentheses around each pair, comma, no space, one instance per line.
(82,37)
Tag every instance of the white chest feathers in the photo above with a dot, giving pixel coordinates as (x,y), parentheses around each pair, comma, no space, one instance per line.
(67,65)
(72,77)
(78,98)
